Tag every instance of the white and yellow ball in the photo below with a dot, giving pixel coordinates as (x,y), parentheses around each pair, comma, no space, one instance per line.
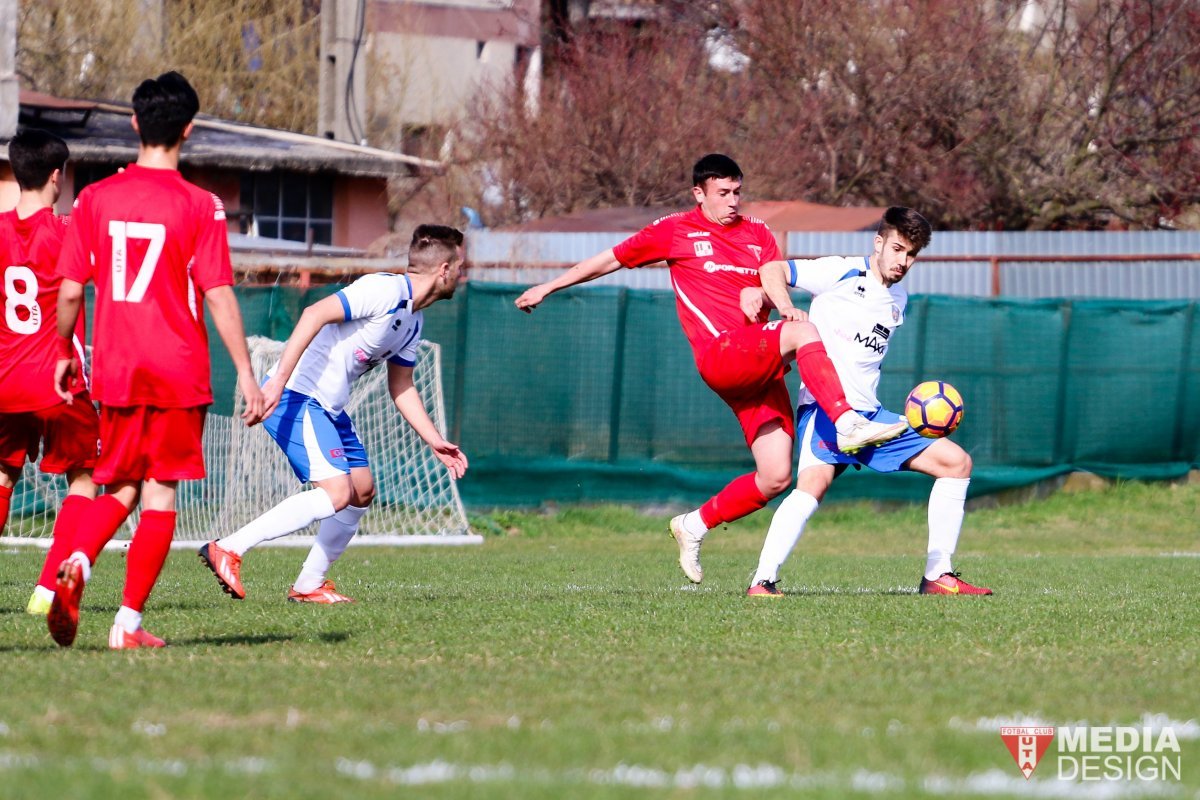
(934,409)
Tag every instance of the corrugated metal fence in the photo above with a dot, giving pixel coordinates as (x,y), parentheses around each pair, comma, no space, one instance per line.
(1145,265)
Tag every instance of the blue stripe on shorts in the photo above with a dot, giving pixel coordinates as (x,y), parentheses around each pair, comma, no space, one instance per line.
(317,444)
(821,442)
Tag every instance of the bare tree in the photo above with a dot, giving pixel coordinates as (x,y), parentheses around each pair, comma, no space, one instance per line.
(252,60)
(962,110)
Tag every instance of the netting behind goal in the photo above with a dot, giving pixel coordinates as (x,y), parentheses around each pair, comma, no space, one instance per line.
(416,499)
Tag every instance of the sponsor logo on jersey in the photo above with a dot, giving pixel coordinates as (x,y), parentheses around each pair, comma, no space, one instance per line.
(871,342)
(703,248)
(860,290)
(712,266)
(756,250)
(699,234)
(879,330)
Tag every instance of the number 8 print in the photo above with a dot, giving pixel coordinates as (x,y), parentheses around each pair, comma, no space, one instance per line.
(25,298)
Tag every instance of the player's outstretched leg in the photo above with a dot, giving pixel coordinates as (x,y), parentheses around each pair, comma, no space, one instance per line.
(227,566)
(63,617)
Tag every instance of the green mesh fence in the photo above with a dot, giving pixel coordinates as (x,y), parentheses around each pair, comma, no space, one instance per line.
(595,397)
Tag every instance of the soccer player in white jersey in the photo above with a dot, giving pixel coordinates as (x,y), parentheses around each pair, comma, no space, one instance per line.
(857,305)
(376,319)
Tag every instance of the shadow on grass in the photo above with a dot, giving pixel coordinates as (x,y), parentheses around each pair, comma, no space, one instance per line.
(233,639)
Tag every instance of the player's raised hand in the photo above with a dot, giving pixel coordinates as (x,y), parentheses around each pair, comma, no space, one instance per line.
(256,406)
(531,298)
(65,370)
(449,454)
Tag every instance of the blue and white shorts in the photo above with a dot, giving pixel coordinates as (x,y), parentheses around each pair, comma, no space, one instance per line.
(818,442)
(317,444)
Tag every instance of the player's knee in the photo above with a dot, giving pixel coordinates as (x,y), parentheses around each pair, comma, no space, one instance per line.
(363,495)
(775,482)
(957,463)
(340,493)
(798,334)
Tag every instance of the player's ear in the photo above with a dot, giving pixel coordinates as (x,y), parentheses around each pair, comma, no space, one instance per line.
(133,122)
(187,132)
(698,193)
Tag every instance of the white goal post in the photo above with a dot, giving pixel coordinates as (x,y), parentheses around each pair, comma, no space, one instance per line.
(416,499)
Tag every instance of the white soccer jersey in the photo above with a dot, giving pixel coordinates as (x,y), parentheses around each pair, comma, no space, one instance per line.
(380,325)
(855,315)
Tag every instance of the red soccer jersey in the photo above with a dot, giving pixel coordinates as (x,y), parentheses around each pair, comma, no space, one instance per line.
(153,243)
(710,265)
(29,251)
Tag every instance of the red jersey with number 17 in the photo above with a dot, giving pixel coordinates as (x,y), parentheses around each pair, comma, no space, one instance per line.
(153,243)
(710,265)
(29,251)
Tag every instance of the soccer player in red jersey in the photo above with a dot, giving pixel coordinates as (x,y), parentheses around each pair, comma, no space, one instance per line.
(713,253)
(31,412)
(155,245)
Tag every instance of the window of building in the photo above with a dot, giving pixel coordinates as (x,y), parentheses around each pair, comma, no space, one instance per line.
(287,205)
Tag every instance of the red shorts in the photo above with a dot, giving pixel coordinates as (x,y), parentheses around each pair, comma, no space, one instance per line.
(68,435)
(744,368)
(140,442)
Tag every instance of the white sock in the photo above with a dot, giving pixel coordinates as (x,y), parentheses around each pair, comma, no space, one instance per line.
(44,593)
(946,507)
(847,421)
(333,536)
(296,512)
(694,524)
(83,561)
(128,619)
(787,524)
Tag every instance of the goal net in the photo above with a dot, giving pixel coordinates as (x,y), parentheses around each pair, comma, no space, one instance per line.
(416,498)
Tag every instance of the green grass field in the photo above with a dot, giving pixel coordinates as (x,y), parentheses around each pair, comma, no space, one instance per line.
(570,658)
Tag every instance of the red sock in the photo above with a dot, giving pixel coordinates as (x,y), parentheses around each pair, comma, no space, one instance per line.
(5,502)
(819,375)
(739,498)
(108,515)
(74,507)
(147,554)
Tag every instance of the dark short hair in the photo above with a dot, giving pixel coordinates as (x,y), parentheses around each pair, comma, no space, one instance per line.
(909,224)
(433,244)
(715,165)
(164,106)
(34,155)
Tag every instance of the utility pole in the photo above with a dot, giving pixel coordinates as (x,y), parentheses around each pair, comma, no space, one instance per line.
(342,87)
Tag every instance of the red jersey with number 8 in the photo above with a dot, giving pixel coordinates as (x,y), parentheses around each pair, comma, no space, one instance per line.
(154,244)
(29,251)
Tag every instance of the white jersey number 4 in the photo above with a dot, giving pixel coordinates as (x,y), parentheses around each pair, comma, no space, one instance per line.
(121,233)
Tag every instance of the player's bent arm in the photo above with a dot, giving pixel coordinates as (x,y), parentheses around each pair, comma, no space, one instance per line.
(589,269)
(774,277)
(227,317)
(312,319)
(408,403)
(70,301)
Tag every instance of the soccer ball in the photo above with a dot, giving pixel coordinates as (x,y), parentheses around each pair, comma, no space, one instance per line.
(934,409)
